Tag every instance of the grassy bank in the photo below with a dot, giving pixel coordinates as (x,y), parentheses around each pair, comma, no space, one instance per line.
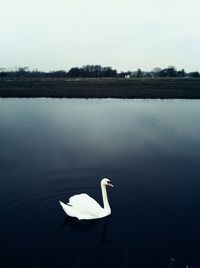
(102,88)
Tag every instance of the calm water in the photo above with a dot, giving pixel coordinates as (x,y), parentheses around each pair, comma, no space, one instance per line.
(51,149)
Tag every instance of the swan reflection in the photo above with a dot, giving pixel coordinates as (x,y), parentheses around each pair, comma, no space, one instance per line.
(85,226)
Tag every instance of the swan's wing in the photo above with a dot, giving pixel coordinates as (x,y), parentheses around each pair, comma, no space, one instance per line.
(85,204)
(72,212)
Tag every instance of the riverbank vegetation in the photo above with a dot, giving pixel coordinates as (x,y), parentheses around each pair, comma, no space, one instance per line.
(96,71)
(95,81)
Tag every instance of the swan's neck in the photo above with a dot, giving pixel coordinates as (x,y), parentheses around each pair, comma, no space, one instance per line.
(106,205)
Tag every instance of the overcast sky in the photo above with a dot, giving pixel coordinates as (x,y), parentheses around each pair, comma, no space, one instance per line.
(124,34)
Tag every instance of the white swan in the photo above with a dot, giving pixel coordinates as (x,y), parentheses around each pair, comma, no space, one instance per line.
(84,207)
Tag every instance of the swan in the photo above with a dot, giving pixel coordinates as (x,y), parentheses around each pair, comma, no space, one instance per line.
(84,207)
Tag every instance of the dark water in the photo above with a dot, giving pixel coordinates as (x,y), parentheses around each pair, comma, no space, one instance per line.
(51,149)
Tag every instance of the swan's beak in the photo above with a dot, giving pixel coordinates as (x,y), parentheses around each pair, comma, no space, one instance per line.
(110,184)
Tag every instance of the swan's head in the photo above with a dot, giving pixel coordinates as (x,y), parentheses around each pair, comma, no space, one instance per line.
(106,182)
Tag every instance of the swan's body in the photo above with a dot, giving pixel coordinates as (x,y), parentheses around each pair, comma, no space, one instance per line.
(84,207)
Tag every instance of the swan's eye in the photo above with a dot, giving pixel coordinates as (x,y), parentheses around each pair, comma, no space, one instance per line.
(109,183)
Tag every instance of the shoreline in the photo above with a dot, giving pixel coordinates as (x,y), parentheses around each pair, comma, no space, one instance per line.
(142,88)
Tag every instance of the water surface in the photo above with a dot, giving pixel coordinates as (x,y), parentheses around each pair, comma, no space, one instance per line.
(51,149)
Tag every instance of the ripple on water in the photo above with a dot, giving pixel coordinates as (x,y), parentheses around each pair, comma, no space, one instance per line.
(139,202)
(19,204)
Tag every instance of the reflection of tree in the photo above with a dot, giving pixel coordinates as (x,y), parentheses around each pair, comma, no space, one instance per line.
(171,263)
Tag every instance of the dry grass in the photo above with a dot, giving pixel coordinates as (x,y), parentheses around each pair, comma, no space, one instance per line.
(102,88)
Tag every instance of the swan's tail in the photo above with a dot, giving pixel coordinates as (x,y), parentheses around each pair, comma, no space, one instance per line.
(69,210)
(61,203)
(72,212)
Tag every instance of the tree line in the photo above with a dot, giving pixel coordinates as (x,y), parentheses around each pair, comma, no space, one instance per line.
(97,71)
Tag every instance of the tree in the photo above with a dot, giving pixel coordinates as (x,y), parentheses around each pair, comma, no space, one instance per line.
(181,73)
(74,72)
(92,71)
(60,73)
(194,74)
(168,72)
(156,71)
(139,73)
